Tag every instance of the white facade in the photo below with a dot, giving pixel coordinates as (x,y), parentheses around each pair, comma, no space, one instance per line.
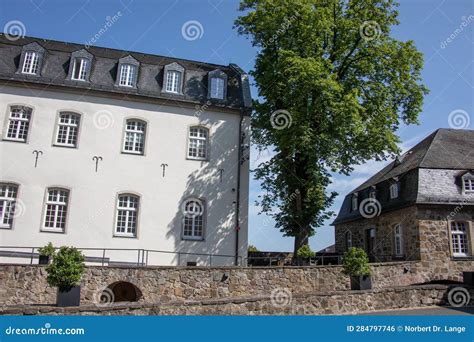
(92,204)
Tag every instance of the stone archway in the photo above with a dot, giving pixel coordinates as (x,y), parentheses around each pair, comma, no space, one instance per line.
(125,291)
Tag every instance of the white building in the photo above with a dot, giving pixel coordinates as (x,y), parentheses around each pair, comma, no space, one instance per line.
(107,149)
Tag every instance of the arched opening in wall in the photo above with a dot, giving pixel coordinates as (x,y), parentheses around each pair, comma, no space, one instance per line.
(124,291)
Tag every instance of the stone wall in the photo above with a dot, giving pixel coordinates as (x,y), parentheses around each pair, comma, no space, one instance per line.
(334,302)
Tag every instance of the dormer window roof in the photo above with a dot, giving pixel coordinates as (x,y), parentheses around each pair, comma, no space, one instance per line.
(31,59)
(217,85)
(127,73)
(173,77)
(468,182)
(80,66)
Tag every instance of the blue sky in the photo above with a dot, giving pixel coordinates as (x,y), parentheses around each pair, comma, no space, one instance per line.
(156,27)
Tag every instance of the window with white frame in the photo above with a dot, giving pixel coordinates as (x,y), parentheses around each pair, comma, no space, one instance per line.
(79,69)
(348,240)
(217,88)
(173,81)
(18,123)
(459,239)
(127,215)
(193,220)
(8,194)
(134,140)
(397,230)
(56,209)
(68,129)
(127,75)
(354,202)
(198,143)
(393,190)
(30,63)
(468,184)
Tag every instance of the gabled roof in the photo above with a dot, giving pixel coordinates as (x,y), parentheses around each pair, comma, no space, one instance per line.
(57,56)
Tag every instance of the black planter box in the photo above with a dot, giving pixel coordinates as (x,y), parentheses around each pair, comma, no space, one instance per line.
(70,296)
(361,283)
(43,259)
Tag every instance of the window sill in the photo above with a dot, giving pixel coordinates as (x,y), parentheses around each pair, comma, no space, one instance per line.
(190,238)
(52,230)
(66,146)
(6,227)
(14,140)
(133,153)
(129,236)
(197,159)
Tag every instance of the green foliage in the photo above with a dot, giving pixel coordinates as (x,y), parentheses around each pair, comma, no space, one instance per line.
(347,90)
(305,252)
(66,269)
(252,248)
(47,250)
(356,262)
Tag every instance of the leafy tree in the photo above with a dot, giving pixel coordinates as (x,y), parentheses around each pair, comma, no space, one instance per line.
(334,87)
(252,248)
(66,269)
(356,262)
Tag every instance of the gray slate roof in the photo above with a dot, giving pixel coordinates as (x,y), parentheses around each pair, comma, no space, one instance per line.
(55,67)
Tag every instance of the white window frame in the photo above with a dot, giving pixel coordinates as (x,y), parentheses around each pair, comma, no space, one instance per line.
(468,185)
(173,81)
(134,134)
(57,206)
(8,198)
(83,65)
(127,75)
(30,63)
(128,211)
(198,142)
(348,237)
(459,236)
(398,239)
(393,190)
(217,89)
(354,202)
(197,217)
(22,123)
(71,127)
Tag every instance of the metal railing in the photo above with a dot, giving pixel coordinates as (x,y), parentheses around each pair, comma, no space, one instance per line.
(126,257)
(288,261)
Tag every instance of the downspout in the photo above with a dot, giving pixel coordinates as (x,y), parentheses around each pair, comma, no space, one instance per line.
(237,201)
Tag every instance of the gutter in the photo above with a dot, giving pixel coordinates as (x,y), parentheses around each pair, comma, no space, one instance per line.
(240,142)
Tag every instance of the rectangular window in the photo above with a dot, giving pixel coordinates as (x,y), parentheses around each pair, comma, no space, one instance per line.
(79,69)
(354,202)
(68,127)
(193,225)
(127,75)
(18,123)
(8,194)
(398,240)
(134,141)
(459,239)
(127,214)
(198,141)
(173,79)
(393,191)
(56,210)
(217,88)
(30,63)
(469,185)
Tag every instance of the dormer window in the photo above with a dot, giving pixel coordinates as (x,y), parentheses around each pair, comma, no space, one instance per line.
(173,79)
(79,69)
(468,183)
(393,190)
(354,203)
(127,75)
(217,85)
(372,194)
(30,63)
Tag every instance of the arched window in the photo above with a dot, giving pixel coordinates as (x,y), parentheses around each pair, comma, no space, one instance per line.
(8,195)
(398,239)
(193,220)
(198,143)
(217,84)
(348,240)
(393,190)
(354,202)
(30,63)
(173,76)
(127,75)
(68,129)
(18,123)
(127,215)
(56,206)
(134,139)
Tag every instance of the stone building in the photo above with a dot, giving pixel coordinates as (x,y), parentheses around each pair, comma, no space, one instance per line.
(145,156)
(419,207)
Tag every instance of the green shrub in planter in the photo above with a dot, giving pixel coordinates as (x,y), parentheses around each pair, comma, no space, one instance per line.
(304,253)
(45,253)
(65,273)
(356,265)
